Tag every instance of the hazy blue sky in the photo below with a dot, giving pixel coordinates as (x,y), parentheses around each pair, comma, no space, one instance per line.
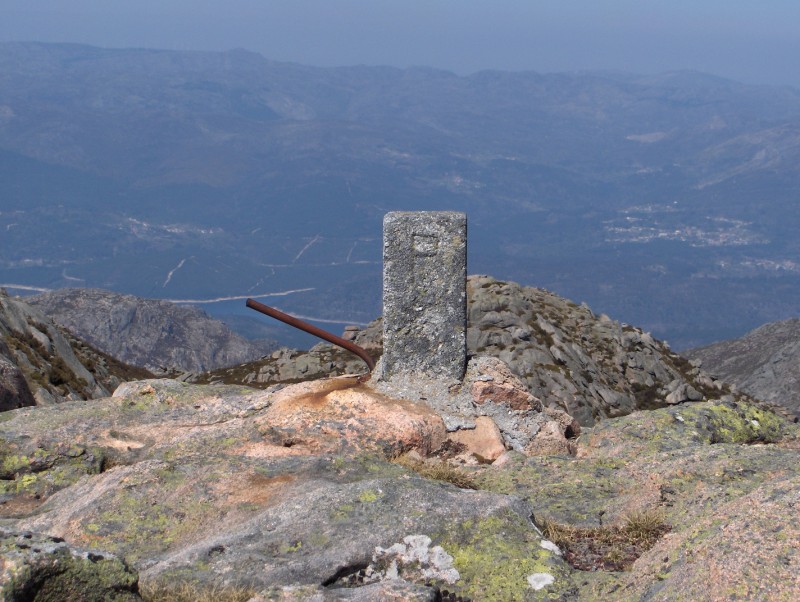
(750,40)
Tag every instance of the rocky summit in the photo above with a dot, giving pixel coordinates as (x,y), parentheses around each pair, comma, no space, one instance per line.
(333,491)
(577,459)
(149,333)
(589,366)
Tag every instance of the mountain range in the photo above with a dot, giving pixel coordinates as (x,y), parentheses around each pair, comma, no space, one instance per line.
(668,201)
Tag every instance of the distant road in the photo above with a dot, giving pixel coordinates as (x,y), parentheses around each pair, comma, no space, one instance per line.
(240,297)
(41,289)
(25,287)
(278,294)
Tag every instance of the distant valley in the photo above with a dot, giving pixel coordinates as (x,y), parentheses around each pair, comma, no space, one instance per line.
(669,201)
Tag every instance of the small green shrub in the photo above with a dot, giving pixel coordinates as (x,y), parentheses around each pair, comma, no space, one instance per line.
(60,373)
(647,397)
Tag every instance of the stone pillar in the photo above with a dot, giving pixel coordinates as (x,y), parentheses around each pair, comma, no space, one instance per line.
(424,295)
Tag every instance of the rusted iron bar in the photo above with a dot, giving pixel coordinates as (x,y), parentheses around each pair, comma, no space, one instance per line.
(311,329)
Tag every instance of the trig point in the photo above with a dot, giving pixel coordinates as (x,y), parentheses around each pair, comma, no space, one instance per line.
(424,295)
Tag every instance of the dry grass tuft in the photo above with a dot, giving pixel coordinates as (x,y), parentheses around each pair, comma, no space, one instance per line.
(645,526)
(611,548)
(438,471)
(188,592)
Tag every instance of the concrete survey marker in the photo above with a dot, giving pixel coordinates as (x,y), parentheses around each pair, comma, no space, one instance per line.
(424,295)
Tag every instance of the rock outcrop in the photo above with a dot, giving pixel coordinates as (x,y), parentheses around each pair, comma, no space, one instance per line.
(722,475)
(589,366)
(152,334)
(215,489)
(764,363)
(42,364)
(216,486)
(354,488)
(46,569)
(14,390)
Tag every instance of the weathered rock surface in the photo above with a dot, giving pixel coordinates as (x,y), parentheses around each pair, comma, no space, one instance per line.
(46,569)
(41,364)
(149,333)
(14,390)
(342,413)
(491,393)
(485,441)
(287,494)
(207,485)
(724,476)
(764,363)
(589,366)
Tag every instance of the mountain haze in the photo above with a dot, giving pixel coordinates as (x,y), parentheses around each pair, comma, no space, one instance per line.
(664,200)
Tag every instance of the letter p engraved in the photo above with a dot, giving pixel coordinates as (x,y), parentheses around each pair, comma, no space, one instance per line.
(425,245)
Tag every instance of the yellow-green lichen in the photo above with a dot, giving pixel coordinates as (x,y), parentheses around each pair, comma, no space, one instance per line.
(137,523)
(72,577)
(343,512)
(495,556)
(743,423)
(567,489)
(41,454)
(290,547)
(686,425)
(13,463)
(368,496)
(43,471)
(26,482)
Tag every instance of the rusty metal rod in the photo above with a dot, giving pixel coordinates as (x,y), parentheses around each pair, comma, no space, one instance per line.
(311,329)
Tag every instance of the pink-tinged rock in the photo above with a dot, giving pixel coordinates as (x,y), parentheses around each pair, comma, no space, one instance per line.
(341,413)
(484,441)
(503,394)
(569,426)
(503,459)
(494,382)
(555,435)
(548,441)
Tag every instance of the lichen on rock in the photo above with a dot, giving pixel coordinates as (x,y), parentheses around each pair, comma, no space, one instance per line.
(289,493)
(496,555)
(412,559)
(46,569)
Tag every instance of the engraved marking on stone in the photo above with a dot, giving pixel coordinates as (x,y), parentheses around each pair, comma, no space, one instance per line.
(425,245)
